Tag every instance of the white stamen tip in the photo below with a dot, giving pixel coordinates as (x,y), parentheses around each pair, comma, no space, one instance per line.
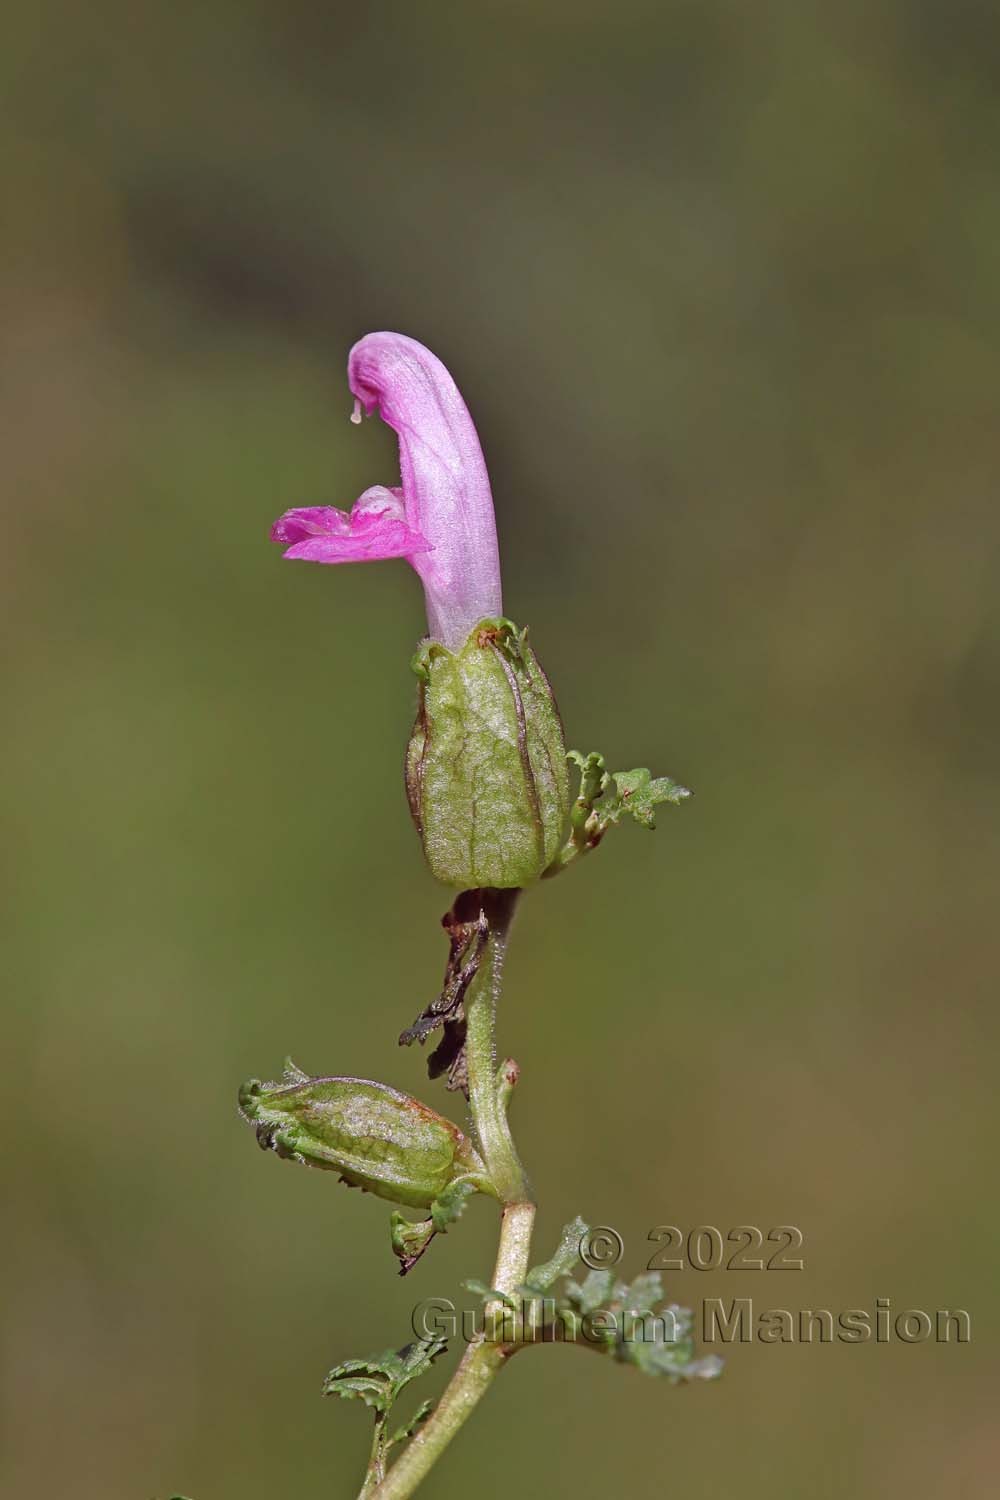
(356,413)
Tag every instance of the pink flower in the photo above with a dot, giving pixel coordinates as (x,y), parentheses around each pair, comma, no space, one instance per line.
(441,519)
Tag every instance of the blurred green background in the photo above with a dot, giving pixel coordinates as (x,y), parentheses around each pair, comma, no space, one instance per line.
(720,285)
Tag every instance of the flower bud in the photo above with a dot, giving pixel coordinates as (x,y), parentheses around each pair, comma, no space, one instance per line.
(380,1140)
(486,772)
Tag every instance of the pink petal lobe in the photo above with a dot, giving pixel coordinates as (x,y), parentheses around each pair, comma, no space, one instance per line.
(376,529)
(310,520)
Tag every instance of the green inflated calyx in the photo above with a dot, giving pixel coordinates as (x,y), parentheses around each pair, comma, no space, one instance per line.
(486,772)
(376,1138)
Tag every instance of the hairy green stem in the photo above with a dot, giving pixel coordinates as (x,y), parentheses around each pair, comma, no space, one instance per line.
(479,1366)
(484,1357)
(489,1114)
(376,1460)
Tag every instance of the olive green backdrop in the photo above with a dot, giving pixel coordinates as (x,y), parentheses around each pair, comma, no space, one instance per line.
(720,285)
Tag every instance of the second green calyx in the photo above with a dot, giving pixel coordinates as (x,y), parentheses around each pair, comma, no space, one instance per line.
(486,772)
(377,1139)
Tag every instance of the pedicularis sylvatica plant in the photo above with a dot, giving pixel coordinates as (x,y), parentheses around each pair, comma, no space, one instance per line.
(488,783)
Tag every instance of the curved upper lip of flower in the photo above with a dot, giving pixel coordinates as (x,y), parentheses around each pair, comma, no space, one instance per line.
(441,517)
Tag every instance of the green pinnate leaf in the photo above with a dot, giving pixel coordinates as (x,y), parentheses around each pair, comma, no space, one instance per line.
(628,1324)
(449,1206)
(369,1386)
(605,798)
(595,1291)
(637,795)
(624,1321)
(415,1359)
(402,1434)
(378,1381)
(645,1293)
(540,1278)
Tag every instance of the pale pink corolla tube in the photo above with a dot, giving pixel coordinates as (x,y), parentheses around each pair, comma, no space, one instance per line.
(440,518)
